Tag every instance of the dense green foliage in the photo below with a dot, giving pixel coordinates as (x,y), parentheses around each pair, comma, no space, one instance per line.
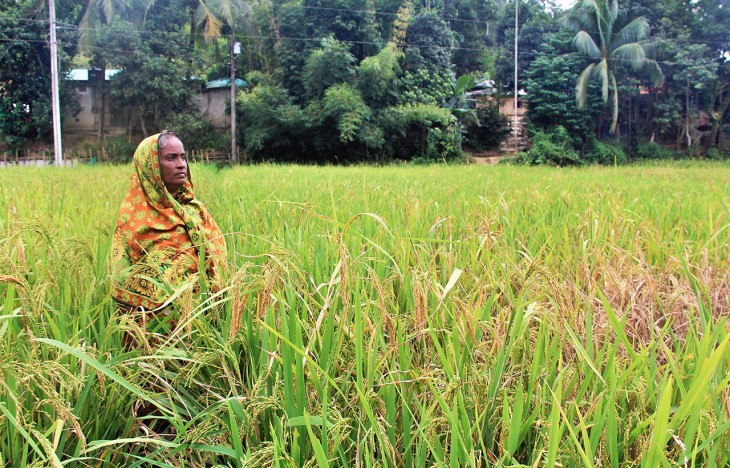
(398,316)
(388,53)
(25,78)
(550,83)
(552,147)
(486,129)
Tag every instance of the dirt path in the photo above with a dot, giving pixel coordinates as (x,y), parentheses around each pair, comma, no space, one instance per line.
(486,158)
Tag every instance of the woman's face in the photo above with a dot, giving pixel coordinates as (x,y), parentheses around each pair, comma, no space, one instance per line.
(173,165)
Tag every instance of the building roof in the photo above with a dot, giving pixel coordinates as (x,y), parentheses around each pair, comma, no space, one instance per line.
(224,83)
(82,74)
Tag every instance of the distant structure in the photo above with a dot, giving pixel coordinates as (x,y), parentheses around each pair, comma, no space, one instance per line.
(86,121)
(211,101)
(485,93)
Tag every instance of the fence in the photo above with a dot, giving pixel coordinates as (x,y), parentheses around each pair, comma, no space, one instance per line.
(71,157)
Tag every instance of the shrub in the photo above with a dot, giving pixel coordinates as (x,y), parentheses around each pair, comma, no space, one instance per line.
(421,133)
(653,150)
(603,153)
(717,155)
(552,148)
(487,131)
(328,66)
(196,133)
(344,105)
(270,123)
(116,150)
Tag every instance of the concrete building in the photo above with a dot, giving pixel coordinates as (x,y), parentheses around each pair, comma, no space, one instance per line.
(214,99)
(212,102)
(485,93)
(86,121)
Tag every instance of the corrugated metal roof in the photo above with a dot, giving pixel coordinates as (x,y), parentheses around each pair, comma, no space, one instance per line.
(82,74)
(78,74)
(224,83)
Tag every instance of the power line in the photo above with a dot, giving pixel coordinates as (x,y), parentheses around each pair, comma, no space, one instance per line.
(404,44)
(551,29)
(423,46)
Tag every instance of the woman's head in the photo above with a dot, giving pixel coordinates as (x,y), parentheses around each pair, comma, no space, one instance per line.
(160,163)
(173,161)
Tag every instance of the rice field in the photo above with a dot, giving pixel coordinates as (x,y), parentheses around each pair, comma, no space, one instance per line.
(394,316)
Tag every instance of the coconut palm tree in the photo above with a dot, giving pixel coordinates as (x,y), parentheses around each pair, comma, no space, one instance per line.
(597,39)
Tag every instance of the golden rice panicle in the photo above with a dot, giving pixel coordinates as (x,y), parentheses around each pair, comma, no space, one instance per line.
(344,272)
(239,300)
(263,298)
(389,324)
(420,303)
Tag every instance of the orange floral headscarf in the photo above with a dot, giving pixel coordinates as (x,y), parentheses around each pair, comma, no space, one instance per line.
(158,239)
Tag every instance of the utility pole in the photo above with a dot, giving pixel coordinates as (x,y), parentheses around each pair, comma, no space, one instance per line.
(514,124)
(235,50)
(57,146)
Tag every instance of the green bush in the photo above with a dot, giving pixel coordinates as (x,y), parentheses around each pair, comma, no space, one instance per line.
(605,154)
(116,150)
(653,150)
(344,105)
(553,147)
(330,65)
(421,133)
(487,131)
(196,133)
(271,124)
(717,155)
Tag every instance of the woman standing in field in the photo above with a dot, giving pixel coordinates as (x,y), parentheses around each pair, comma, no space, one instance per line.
(162,230)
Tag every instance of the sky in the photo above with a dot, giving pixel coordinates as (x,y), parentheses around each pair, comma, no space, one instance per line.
(565,4)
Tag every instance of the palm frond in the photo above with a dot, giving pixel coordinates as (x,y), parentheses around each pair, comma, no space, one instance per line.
(107,7)
(655,48)
(632,55)
(581,86)
(591,5)
(614,107)
(652,68)
(571,22)
(88,22)
(579,18)
(230,12)
(224,10)
(635,31)
(586,45)
(244,9)
(612,10)
(603,72)
(210,24)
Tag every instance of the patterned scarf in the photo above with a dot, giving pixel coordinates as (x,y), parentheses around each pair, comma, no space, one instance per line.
(158,239)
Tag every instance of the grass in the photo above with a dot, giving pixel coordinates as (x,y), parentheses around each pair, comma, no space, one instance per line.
(407,316)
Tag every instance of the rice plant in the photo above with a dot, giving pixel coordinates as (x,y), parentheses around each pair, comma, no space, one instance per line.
(396,316)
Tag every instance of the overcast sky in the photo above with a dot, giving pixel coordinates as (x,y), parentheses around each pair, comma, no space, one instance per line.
(565,4)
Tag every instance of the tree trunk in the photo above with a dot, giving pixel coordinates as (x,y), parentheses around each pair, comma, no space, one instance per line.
(686,119)
(717,114)
(650,117)
(630,134)
(191,45)
(678,138)
(144,128)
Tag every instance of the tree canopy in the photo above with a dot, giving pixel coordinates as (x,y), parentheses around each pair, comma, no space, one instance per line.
(372,80)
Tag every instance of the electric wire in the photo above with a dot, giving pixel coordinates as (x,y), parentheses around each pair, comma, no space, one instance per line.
(551,29)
